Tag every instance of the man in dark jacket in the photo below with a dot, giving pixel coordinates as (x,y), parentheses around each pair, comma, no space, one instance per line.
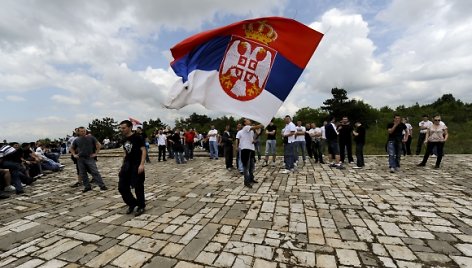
(332,141)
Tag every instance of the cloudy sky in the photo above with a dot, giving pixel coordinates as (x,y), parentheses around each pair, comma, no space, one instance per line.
(65,63)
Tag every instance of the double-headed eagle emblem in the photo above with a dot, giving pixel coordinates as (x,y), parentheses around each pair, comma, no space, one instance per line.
(247,63)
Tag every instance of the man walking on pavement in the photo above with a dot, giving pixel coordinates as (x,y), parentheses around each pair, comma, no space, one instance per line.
(132,171)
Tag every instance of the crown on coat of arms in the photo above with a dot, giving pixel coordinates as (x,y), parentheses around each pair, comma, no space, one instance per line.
(261,32)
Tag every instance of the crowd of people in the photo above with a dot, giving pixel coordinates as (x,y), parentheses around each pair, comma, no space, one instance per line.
(21,165)
(309,141)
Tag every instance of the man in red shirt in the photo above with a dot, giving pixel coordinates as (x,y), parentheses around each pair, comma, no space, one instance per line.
(189,137)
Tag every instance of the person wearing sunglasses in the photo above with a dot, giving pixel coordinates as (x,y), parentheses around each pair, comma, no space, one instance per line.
(436,136)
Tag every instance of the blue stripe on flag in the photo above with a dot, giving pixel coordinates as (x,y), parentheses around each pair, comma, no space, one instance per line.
(283,77)
(206,57)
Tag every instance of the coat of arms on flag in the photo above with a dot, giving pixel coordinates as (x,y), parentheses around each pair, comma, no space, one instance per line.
(248,61)
(247,68)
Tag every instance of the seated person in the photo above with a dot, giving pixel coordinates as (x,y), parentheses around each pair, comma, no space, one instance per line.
(46,162)
(13,168)
(31,161)
(49,153)
(15,161)
(3,182)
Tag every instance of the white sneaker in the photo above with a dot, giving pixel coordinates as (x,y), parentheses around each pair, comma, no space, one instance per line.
(285,171)
(392,170)
(273,163)
(10,188)
(356,167)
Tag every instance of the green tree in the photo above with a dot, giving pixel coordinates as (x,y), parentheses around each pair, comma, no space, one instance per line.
(105,128)
(310,115)
(153,125)
(199,122)
(336,106)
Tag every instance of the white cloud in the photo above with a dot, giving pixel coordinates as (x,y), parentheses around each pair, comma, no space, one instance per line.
(15,98)
(51,119)
(65,100)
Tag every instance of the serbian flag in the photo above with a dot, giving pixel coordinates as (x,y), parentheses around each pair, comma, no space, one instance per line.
(247,68)
(136,123)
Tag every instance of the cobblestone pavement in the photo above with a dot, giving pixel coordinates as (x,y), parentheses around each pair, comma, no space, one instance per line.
(199,215)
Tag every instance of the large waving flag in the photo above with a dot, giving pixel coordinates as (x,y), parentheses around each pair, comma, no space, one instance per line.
(136,123)
(247,68)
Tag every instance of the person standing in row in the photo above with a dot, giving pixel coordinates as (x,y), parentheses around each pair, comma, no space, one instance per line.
(132,171)
(300,142)
(178,146)
(227,140)
(345,140)
(161,145)
(189,140)
(246,143)
(316,136)
(396,137)
(85,149)
(359,139)
(288,134)
(424,125)
(309,140)
(270,150)
(408,132)
(436,136)
(333,145)
(213,142)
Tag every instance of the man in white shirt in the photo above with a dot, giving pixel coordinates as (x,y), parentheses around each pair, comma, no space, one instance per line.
(246,143)
(161,145)
(288,134)
(424,125)
(409,132)
(323,139)
(316,134)
(213,142)
(300,142)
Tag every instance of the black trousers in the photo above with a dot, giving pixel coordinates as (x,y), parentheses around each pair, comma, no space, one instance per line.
(309,148)
(162,152)
(439,152)
(407,147)
(345,146)
(421,138)
(360,154)
(128,178)
(228,151)
(317,151)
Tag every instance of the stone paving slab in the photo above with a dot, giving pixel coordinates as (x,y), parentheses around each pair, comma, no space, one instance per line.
(199,215)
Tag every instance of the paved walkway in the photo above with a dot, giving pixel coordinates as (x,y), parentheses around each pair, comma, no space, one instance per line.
(200,215)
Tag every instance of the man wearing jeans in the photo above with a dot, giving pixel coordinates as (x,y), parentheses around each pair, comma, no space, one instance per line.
(396,137)
(288,134)
(300,142)
(85,149)
(213,142)
(271,143)
(246,143)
